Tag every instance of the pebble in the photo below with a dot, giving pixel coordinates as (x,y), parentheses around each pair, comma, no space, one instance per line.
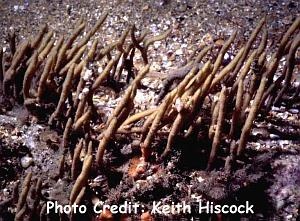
(168,64)
(157,44)
(172,57)
(284,142)
(282,108)
(276,109)
(14,137)
(294,111)
(85,90)
(146,216)
(196,197)
(26,161)
(227,56)
(219,42)
(100,69)
(207,39)
(179,52)
(200,179)
(87,74)
(164,58)
(149,178)
(146,7)
(106,215)
(274,136)
(18,7)
(5,192)
(178,105)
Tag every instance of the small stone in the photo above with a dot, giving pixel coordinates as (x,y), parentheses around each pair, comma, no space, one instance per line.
(149,178)
(164,58)
(5,192)
(87,74)
(219,42)
(178,105)
(292,118)
(85,90)
(282,108)
(68,7)
(207,39)
(157,44)
(179,51)
(294,111)
(100,69)
(172,57)
(182,8)
(168,64)
(169,53)
(106,215)
(276,109)
(16,8)
(14,137)
(146,216)
(226,56)
(159,59)
(200,179)
(283,142)
(146,8)
(274,136)
(26,161)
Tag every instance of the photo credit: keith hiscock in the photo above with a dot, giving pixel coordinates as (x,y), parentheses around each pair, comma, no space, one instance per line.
(156,208)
